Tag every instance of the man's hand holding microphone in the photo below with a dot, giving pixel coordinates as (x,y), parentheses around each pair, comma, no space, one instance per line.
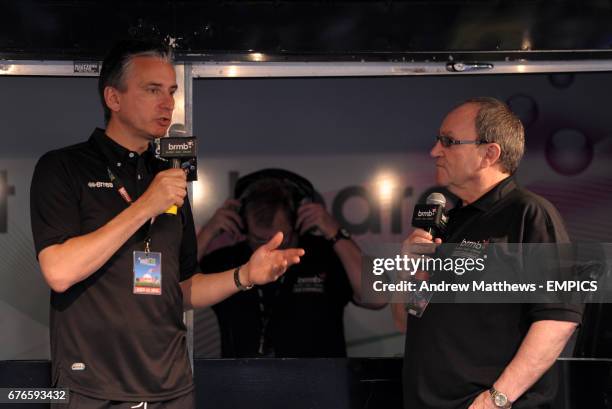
(430,222)
(168,188)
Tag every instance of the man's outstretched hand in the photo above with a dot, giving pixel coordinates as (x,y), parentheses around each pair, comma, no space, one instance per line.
(268,263)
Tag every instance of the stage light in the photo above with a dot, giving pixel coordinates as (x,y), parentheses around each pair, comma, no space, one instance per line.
(200,191)
(232,71)
(386,186)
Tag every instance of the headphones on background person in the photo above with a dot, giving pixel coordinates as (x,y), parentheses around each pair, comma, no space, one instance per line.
(301,190)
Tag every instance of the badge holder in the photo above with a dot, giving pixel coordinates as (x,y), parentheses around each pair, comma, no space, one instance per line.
(147,271)
(146,265)
(418,300)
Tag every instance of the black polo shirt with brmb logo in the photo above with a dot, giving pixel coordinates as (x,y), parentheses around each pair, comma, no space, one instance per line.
(454,352)
(106,341)
(305,308)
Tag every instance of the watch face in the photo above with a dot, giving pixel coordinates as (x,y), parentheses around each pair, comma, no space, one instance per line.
(500,400)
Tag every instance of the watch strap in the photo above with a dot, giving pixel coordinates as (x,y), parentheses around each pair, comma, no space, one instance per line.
(341,234)
(237,280)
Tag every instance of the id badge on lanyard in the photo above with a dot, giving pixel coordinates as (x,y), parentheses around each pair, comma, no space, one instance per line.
(418,301)
(147,264)
(147,272)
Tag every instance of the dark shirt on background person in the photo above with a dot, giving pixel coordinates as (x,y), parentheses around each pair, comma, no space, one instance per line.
(300,315)
(305,308)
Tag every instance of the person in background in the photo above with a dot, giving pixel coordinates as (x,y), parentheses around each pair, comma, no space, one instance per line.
(300,315)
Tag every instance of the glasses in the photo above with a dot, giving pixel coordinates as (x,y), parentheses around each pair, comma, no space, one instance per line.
(447,141)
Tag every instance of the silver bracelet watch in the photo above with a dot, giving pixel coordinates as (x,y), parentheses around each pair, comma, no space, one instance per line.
(500,400)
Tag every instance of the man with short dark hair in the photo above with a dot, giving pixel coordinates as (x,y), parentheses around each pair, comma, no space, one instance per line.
(300,315)
(486,355)
(121,270)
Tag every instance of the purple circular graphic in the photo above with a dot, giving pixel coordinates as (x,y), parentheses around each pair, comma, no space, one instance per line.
(524,107)
(569,151)
(561,80)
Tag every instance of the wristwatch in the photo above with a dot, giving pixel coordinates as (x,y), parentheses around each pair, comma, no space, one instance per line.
(237,280)
(342,234)
(500,400)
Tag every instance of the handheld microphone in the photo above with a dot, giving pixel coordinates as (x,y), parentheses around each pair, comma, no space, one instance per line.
(431,216)
(181,151)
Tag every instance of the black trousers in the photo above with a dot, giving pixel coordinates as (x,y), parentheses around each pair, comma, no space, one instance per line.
(78,401)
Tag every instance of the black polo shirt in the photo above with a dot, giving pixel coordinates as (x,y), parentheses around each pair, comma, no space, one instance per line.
(456,351)
(107,342)
(305,308)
